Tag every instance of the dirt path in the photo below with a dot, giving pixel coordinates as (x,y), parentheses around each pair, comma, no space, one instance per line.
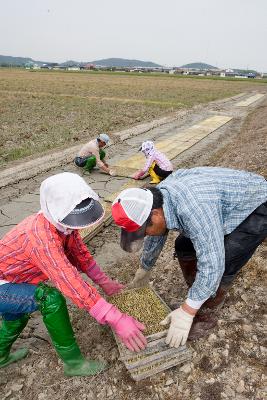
(228,364)
(19,185)
(24,176)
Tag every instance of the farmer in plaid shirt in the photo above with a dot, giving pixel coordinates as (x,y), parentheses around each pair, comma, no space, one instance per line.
(221,217)
(48,246)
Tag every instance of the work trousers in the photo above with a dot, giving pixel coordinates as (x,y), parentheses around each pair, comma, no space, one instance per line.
(161,173)
(17,299)
(239,245)
(89,161)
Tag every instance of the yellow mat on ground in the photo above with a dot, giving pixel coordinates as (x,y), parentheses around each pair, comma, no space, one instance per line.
(250,100)
(173,146)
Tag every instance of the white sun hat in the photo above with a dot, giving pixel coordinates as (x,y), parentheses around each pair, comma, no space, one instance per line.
(68,201)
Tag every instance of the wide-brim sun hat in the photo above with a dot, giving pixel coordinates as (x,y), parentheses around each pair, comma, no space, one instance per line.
(68,201)
(87,213)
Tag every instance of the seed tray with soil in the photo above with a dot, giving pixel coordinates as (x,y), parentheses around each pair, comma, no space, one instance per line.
(146,306)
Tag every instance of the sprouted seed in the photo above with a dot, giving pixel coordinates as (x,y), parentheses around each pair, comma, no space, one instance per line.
(144,305)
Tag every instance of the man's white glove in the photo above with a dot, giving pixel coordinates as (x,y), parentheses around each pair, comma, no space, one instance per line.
(141,279)
(179,328)
(112,172)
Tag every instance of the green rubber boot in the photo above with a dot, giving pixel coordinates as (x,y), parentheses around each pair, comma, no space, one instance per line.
(9,332)
(56,318)
(102,154)
(91,161)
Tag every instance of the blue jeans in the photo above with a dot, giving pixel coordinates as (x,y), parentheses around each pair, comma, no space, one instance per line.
(17,299)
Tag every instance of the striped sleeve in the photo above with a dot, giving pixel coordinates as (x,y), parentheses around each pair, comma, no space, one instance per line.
(78,253)
(148,163)
(50,258)
(151,250)
(204,227)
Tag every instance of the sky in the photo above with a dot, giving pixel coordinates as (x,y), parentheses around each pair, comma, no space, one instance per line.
(225,33)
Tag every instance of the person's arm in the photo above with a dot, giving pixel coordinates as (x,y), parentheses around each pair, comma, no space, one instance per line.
(139,174)
(148,164)
(144,170)
(78,253)
(104,166)
(80,256)
(203,224)
(153,246)
(99,162)
(52,261)
(151,251)
(50,258)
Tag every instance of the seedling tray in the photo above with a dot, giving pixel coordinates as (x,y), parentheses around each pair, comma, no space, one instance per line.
(143,303)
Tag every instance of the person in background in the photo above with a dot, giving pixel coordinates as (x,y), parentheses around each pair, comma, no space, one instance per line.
(48,246)
(157,164)
(92,154)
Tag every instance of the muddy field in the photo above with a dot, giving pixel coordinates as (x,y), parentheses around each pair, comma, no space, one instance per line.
(43,111)
(230,363)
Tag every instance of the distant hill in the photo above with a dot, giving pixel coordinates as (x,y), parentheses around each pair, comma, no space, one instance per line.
(107,62)
(71,63)
(113,62)
(121,62)
(198,65)
(17,61)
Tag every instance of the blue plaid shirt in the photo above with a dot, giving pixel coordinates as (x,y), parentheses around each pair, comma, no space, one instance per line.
(205,204)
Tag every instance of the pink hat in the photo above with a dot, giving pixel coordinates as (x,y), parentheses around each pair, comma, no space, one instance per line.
(130,211)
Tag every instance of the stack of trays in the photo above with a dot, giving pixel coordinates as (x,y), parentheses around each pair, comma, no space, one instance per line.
(147,306)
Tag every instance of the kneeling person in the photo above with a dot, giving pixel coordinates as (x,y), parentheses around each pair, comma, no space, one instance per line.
(92,154)
(157,165)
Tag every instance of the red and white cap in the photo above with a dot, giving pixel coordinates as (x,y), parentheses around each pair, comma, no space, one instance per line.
(130,211)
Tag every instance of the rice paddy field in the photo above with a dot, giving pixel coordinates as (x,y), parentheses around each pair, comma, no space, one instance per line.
(42,111)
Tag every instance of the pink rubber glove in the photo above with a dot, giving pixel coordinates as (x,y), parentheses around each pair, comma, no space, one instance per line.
(127,328)
(109,286)
(138,175)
